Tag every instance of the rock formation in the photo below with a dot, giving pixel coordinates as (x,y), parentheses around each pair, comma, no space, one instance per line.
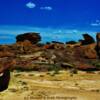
(87,39)
(4,80)
(5,71)
(32,37)
(71,42)
(98,44)
(89,51)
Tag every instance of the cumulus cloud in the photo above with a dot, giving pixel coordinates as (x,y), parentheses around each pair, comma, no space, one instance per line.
(96,23)
(46,8)
(31,5)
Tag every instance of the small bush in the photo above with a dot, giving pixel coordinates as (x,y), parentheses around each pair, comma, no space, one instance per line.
(31,74)
(41,75)
(13,90)
(16,75)
(97,65)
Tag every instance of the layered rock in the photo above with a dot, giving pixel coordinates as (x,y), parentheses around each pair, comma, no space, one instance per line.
(25,47)
(89,51)
(6,54)
(98,44)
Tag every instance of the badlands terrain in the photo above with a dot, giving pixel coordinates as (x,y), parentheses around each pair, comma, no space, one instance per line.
(31,70)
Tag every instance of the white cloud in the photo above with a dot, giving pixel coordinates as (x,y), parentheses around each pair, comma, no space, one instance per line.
(46,8)
(96,23)
(31,5)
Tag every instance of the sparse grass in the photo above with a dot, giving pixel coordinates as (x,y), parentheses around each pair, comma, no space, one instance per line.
(17,75)
(26,84)
(25,88)
(12,90)
(22,82)
(41,75)
(31,74)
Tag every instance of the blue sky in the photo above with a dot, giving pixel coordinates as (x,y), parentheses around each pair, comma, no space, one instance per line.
(62,20)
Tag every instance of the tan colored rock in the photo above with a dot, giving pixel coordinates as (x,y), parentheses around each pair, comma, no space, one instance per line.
(89,51)
(6,54)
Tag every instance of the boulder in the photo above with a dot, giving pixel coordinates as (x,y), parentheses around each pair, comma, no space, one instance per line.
(87,39)
(24,47)
(71,42)
(32,37)
(89,51)
(85,66)
(49,46)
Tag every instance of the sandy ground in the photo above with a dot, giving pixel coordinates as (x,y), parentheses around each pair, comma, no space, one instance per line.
(47,86)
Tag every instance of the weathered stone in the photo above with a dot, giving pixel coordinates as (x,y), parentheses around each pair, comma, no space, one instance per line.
(89,51)
(6,54)
(85,66)
(87,39)
(32,37)
(98,44)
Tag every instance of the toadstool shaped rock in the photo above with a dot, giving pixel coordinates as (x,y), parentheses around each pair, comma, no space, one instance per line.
(32,37)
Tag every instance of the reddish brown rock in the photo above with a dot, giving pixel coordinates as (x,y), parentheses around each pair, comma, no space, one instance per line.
(84,66)
(98,44)
(89,51)
(25,47)
(6,54)
(49,46)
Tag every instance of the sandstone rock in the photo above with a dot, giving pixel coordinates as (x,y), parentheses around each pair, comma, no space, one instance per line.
(89,51)
(70,45)
(49,46)
(32,37)
(98,44)
(84,66)
(6,54)
(5,48)
(87,39)
(24,47)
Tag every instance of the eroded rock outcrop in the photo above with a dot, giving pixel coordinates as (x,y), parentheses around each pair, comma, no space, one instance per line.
(98,44)
(5,71)
(89,51)
(87,39)
(32,37)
